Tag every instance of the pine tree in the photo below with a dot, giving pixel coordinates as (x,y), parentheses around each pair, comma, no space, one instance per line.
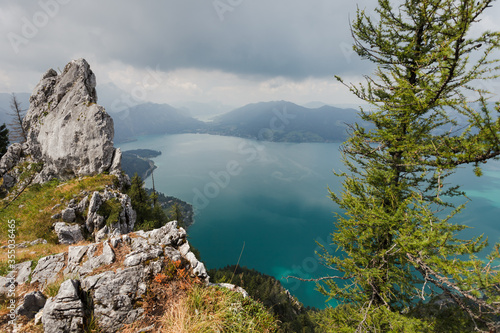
(396,239)
(4,139)
(18,132)
(150,215)
(175,213)
(140,200)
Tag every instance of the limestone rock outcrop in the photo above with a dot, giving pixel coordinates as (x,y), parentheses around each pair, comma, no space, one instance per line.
(107,280)
(65,312)
(31,304)
(68,134)
(99,215)
(68,233)
(97,224)
(67,130)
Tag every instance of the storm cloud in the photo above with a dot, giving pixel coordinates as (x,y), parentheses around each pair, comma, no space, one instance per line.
(260,41)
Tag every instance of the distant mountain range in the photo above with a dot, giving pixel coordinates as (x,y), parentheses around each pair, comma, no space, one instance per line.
(283,121)
(279,121)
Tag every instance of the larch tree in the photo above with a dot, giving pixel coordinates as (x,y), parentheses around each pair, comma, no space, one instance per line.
(397,243)
(17,130)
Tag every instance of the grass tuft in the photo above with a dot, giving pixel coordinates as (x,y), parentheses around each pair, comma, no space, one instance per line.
(214,309)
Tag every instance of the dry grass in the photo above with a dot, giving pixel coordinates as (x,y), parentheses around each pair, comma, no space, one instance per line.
(212,309)
(32,210)
(176,303)
(24,325)
(34,252)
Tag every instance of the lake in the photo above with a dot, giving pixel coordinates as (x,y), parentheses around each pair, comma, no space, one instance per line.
(272,199)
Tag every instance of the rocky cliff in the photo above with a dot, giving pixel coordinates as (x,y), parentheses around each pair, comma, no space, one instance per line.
(106,281)
(68,134)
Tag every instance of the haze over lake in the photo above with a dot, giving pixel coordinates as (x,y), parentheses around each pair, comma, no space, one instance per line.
(273,198)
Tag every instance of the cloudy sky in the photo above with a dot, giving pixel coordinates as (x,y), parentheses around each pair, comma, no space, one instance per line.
(231,51)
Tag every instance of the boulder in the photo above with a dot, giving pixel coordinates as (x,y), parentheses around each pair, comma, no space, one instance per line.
(115,295)
(48,268)
(31,304)
(232,287)
(68,215)
(19,274)
(68,233)
(64,313)
(97,224)
(23,271)
(8,161)
(10,158)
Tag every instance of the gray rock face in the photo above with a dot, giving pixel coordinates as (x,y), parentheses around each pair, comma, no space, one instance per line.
(32,303)
(48,268)
(96,223)
(113,278)
(232,287)
(115,294)
(10,158)
(65,312)
(23,271)
(67,130)
(68,233)
(68,215)
(93,261)
(19,275)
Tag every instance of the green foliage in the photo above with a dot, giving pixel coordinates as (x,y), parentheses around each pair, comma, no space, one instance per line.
(137,162)
(140,200)
(175,213)
(144,153)
(110,210)
(396,240)
(149,216)
(52,289)
(348,318)
(222,310)
(269,291)
(443,315)
(32,209)
(167,203)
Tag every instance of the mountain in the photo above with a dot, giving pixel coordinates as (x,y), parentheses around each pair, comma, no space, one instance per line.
(283,121)
(151,119)
(279,121)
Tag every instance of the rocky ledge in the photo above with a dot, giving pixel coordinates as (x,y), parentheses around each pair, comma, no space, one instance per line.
(105,280)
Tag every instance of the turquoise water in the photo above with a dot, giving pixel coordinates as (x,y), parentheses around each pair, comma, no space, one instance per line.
(273,199)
